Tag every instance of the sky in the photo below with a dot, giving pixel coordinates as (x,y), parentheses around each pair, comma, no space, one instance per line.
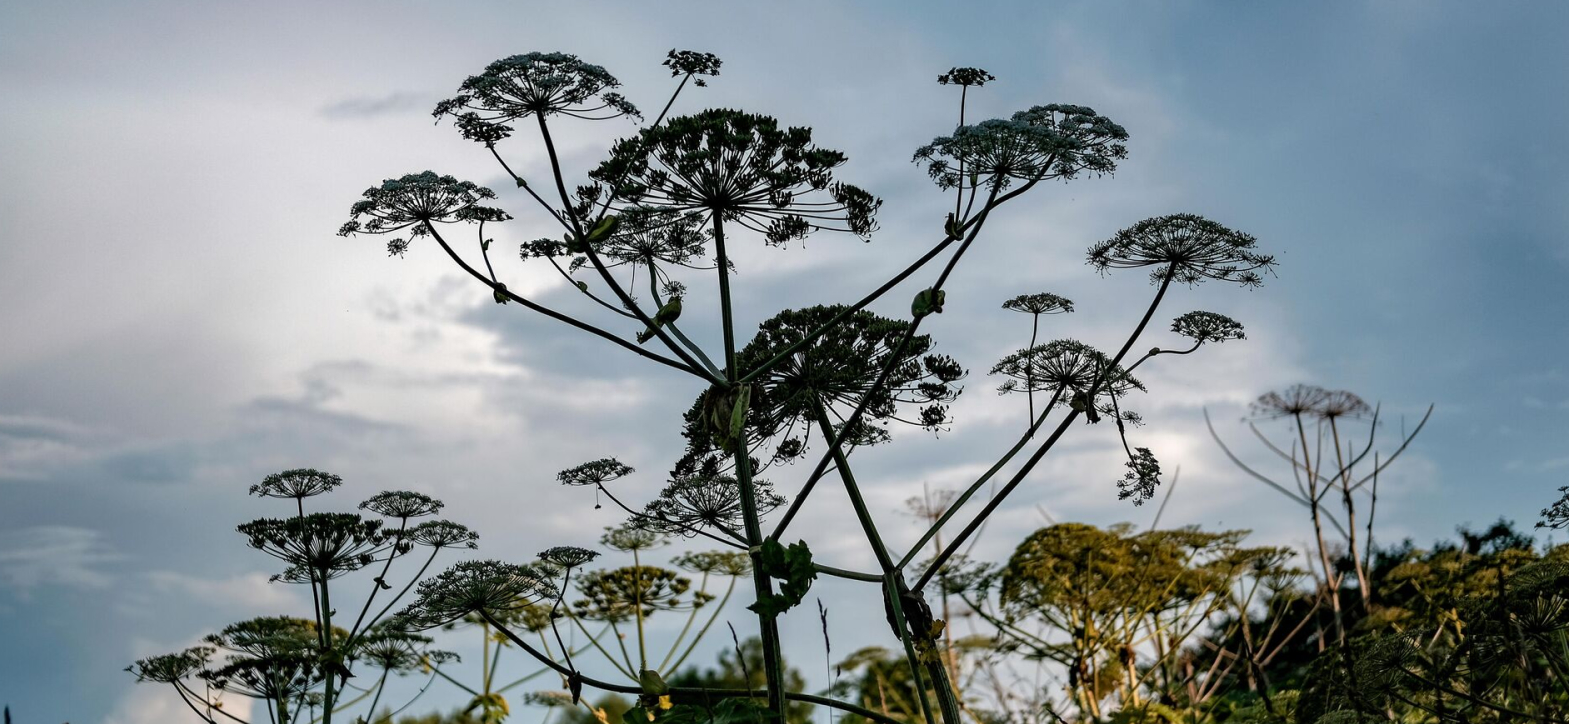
(179,319)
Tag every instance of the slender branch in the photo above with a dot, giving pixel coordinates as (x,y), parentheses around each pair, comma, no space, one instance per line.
(558,316)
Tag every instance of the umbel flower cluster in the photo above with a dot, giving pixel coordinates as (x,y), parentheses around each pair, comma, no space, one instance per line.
(646,246)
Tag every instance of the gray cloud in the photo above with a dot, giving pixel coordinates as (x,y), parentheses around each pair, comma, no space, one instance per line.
(376,106)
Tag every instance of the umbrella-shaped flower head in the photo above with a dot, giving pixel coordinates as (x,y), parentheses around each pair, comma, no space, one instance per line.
(1045,142)
(475,587)
(1065,365)
(443,534)
(1190,248)
(837,369)
(402,504)
(743,168)
(1202,327)
(1294,401)
(595,472)
(536,84)
(270,657)
(297,484)
(567,556)
(701,500)
(728,563)
(692,63)
(1038,304)
(617,594)
(415,202)
(170,668)
(966,77)
(326,545)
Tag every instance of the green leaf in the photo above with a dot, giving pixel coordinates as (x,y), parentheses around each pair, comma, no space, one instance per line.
(792,567)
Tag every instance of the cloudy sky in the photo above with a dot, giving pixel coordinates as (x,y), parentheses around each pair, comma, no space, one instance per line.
(179,319)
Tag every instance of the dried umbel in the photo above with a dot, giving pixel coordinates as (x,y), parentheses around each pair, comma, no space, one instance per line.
(1202,327)
(1294,401)
(475,587)
(741,168)
(1044,142)
(1311,402)
(1340,403)
(402,504)
(414,202)
(297,484)
(536,84)
(327,545)
(1186,248)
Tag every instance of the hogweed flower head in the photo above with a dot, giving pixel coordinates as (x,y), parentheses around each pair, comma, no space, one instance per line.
(1044,142)
(727,563)
(402,504)
(443,534)
(415,202)
(1038,304)
(1065,365)
(616,594)
(567,556)
(743,168)
(536,84)
(1310,401)
(653,235)
(297,484)
(1556,515)
(1190,248)
(631,538)
(595,472)
(692,63)
(1202,327)
(966,77)
(838,369)
(1142,478)
(326,544)
(475,587)
(1340,403)
(1294,401)
(170,668)
(396,650)
(693,502)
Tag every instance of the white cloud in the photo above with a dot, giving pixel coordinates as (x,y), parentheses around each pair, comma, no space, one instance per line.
(54,555)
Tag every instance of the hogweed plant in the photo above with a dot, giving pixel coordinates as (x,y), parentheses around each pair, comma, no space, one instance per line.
(1348,471)
(293,666)
(651,232)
